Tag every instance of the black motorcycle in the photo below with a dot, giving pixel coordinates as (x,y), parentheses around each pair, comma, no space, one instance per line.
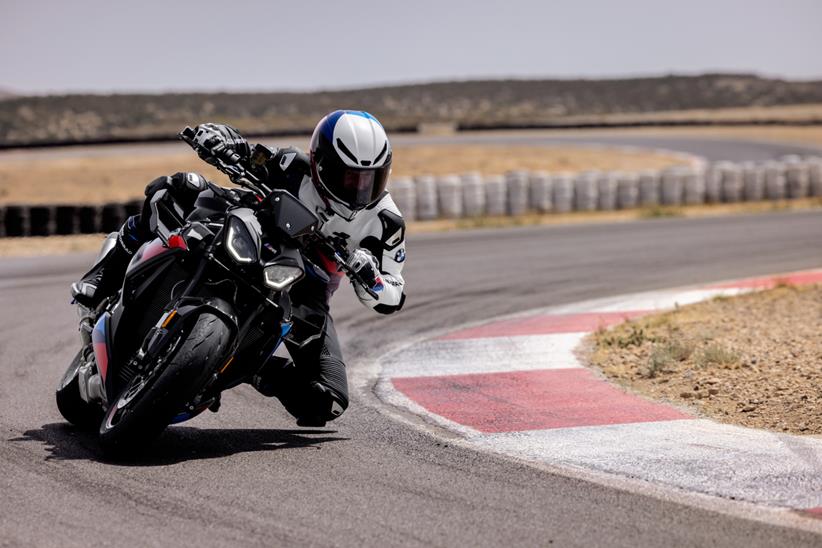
(203,307)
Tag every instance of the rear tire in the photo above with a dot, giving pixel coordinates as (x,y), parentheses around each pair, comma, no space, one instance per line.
(141,413)
(75,409)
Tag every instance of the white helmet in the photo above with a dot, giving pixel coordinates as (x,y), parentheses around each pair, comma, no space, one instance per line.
(350,160)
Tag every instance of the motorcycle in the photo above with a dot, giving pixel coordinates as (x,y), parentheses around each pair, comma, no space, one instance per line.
(202,308)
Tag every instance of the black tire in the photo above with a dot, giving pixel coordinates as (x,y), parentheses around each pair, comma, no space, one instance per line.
(74,408)
(127,427)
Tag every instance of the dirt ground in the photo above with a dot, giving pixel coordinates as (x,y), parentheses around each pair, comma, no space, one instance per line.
(111,177)
(753,360)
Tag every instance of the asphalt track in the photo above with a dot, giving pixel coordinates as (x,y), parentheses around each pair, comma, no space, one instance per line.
(247,475)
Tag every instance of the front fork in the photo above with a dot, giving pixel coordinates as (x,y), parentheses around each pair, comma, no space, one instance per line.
(89,381)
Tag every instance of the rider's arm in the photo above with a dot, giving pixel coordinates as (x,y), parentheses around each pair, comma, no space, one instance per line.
(386,243)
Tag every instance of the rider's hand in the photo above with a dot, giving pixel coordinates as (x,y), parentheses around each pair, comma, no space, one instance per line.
(365,265)
(221,142)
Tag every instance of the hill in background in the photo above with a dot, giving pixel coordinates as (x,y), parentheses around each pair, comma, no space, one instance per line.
(489,103)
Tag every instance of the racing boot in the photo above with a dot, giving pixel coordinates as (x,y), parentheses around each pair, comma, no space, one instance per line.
(312,403)
(106,276)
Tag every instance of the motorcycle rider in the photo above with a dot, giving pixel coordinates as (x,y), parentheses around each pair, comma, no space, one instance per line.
(343,181)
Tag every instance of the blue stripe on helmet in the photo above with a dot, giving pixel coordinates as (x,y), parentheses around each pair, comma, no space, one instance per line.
(329,123)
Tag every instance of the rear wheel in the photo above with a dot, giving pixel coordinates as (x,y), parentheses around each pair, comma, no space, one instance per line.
(75,409)
(149,402)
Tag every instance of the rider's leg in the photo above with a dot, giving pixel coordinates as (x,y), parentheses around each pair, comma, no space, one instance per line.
(107,273)
(314,387)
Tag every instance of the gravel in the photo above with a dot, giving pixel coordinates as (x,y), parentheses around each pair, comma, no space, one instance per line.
(753,360)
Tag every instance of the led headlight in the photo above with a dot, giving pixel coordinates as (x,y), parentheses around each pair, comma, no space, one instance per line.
(278,276)
(239,242)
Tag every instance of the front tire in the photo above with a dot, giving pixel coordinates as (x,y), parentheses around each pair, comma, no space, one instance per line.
(147,405)
(75,409)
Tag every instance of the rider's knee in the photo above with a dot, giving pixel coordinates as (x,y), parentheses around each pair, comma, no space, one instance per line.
(183,186)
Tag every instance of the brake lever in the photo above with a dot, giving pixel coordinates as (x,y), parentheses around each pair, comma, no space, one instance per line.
(341,258)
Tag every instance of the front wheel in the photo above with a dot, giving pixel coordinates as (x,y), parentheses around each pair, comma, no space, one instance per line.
(75,409)
(149,402)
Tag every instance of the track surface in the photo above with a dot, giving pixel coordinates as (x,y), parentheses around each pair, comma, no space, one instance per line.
(247,475)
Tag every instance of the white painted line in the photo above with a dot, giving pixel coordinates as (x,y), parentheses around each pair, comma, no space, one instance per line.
(490,355)
(695,455)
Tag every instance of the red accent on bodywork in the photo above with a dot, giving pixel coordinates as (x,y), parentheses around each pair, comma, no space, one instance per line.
(101,355)
(152,249)
(531,400)
(177,241)
(545,325)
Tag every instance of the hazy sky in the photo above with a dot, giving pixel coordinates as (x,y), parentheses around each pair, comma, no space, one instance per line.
(105,45)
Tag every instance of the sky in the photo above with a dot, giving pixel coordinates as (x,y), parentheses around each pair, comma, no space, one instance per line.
(58,46)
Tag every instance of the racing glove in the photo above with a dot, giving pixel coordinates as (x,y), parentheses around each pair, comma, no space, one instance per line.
(222,142)
(365,265)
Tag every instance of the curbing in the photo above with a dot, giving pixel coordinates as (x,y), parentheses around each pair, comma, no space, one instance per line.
(549,412)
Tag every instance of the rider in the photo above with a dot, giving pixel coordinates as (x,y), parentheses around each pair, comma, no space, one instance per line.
(343,180)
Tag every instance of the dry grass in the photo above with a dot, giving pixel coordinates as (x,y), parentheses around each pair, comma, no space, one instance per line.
(109,177)
(754,360)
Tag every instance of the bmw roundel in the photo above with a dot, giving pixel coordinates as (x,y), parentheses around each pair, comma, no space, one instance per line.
(399,256)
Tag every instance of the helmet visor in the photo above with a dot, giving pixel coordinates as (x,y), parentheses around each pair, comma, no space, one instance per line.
(357,188)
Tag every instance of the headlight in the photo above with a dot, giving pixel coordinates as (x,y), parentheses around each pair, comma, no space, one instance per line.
(278,276)
(239,242)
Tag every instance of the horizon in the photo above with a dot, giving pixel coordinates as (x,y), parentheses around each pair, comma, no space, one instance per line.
(12,93)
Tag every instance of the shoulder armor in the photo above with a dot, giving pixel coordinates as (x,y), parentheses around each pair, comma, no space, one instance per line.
(393,228)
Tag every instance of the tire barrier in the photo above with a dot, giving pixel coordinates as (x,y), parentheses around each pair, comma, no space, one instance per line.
(516,193)
(693,186)
(473,195)
(585,191)
(496,195)
(753,181)
(607,191)
(112,217)
(815,176)
(797,179)
(89,219)
(774,181)
(405,197)
(731,183)
(17,220)
(41,220)
(671,187)
(563,193)
(426,191)
(649,188)
(449,194)
(541,192)
(713,184)
(628,191)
